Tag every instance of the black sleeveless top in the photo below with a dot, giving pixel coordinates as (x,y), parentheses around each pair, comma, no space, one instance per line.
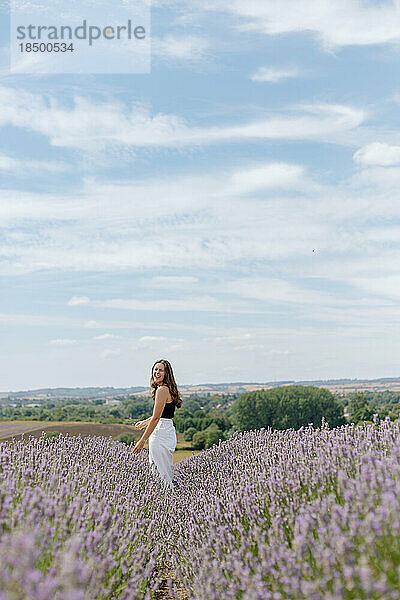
(169,409)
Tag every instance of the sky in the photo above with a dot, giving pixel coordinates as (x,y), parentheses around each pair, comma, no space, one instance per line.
(234,210)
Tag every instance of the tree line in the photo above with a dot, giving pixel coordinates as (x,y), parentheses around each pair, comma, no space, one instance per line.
(204,420)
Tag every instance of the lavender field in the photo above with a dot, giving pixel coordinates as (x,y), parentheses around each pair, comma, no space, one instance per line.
(282,515)
(79,519)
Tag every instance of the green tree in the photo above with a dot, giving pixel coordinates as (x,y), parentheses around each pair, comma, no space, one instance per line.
(126,438)
(360,409)
(188,424)
(114,412)
(189,433)
(286,407)
(52,434)
(180,417)
(199,440)
(213,435)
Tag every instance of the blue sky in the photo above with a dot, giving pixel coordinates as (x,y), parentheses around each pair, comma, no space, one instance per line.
(235,210)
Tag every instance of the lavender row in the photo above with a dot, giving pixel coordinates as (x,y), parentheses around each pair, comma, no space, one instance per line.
(312,514)
(274,515)
(80,519)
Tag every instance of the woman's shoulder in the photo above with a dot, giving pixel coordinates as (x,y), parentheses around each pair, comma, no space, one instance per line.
(163,389)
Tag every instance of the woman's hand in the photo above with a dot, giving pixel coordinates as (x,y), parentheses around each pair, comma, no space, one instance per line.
(140,425)
(138,447)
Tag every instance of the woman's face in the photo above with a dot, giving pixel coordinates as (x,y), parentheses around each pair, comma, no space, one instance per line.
(158,373)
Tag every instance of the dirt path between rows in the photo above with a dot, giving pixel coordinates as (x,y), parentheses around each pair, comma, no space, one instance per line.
(162,593)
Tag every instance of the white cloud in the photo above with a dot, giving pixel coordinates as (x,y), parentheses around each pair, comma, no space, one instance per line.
(183,47)
(92,324)
(378,153)
(63,342)
(32,320)
(176,348)
(25,166)
(183,195)
(228,216)
(382,179)
(173,281)
(160,343)
(248,347)
(339,23)
(385,286)
(109,353)
(78,301)
(150,339)
(106,336)
(189,303)
(204,228)
(270,175)
(232,338)
(89,232)
(367,257)
(274,75)
(271,289)
(26,62)
(94,125)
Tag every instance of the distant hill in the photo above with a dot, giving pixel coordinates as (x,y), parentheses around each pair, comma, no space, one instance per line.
(86,393)
(340,386)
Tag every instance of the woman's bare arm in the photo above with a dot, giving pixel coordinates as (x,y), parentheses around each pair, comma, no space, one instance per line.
(141,424)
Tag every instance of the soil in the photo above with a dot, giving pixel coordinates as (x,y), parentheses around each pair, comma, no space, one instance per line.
(162,593)
(35,428)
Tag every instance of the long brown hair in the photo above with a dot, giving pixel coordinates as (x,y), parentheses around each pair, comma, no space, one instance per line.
(169,380)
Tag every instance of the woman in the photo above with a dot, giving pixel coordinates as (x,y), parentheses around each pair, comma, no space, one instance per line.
(160,428)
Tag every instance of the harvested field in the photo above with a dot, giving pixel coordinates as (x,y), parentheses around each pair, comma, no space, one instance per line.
(34,428)
(181,454)
(15,429)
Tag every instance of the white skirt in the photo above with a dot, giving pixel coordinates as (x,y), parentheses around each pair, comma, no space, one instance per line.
(162,443)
